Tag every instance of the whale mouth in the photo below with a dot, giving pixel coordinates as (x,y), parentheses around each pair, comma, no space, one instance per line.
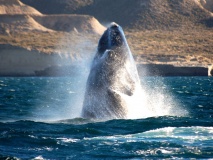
(113,24)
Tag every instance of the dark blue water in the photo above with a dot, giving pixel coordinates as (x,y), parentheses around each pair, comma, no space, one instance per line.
(39,119)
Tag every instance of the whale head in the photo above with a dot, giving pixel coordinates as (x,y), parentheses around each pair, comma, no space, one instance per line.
(113,53)
(113,41)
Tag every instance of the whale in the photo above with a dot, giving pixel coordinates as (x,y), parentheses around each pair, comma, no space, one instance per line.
(113,77)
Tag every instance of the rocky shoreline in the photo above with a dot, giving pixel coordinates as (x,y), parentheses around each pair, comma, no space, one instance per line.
(18,61)
(162,70)
(143,70)
(170,70)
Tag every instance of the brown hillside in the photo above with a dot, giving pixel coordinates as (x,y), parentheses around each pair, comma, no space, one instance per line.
(137,14)
(58,6)
(19,23)
(18,17)
(150,14)
(158,31)
(16,7)
(67,23)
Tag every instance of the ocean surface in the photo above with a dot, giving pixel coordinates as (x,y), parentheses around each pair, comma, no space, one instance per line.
(40,119)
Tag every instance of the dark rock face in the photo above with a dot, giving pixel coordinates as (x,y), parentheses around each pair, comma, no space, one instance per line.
(170,70)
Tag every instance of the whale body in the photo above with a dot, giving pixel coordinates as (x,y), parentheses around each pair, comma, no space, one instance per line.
(113,77)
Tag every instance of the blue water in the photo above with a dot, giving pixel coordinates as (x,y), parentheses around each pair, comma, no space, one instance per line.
(39,119)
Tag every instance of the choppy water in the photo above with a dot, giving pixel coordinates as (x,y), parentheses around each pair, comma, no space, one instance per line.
(39,119)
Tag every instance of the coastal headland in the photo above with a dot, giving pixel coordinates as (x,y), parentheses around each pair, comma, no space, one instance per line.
(166,37)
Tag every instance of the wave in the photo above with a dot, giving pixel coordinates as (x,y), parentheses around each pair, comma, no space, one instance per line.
(156,137)
(116,126)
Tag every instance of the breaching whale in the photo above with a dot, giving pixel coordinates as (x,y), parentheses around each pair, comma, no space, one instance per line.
(112,79)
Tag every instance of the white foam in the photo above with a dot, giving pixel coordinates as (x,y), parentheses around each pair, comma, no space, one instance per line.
(154,99)
(152,102)
(38,158)
(184,134)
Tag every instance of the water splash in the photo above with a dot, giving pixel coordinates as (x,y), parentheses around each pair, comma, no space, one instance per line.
(153,101)
(147,100)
